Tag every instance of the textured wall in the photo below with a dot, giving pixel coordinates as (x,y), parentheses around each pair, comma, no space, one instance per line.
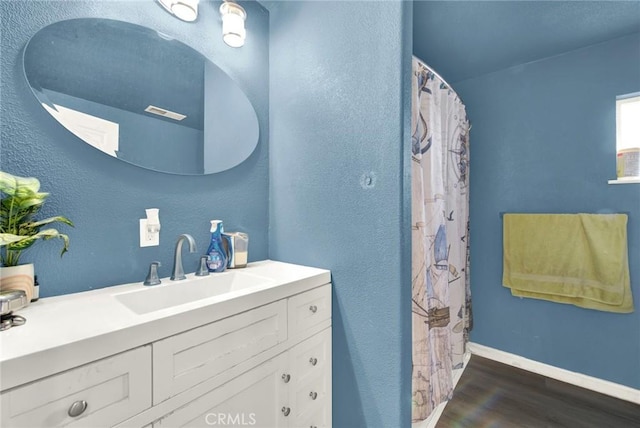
(339,140)
(106,197)
(543,140)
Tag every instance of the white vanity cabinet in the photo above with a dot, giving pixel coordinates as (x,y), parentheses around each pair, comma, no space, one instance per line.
(254,398)
(253,357)
(99,394)
(290,389)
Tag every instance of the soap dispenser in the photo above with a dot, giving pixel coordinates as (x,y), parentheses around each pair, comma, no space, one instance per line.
(216,255)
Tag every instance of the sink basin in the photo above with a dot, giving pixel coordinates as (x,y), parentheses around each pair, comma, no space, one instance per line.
(194,288)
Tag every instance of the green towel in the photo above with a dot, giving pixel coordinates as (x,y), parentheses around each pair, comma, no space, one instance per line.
(578,259)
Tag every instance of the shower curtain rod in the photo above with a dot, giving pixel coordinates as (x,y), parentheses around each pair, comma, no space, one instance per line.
(444,81)
(437,75)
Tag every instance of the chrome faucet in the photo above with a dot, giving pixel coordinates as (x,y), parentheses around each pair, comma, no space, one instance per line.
(152,277)
(178,271)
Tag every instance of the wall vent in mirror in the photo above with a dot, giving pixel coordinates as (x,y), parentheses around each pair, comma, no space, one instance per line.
(97,77)
(165,113)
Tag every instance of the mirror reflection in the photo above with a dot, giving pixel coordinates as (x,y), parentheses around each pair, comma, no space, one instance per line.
(140,96)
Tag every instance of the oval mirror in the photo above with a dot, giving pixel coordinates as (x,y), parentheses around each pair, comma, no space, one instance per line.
(140,96)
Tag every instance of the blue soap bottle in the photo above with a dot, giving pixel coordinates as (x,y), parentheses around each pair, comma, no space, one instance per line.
(216,255)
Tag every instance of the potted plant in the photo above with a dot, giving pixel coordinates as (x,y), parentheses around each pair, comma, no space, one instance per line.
(20,229)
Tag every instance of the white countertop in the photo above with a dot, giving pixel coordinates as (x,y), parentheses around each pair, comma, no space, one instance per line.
(70,330)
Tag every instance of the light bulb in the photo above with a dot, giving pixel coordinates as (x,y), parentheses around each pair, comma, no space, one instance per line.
(233,17)
(186,10)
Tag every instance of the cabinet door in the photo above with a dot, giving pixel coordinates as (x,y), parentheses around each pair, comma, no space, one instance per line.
(310,393)
(98,394)
(182,361)
(255,398)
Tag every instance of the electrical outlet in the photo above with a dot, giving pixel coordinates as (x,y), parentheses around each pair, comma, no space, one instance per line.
(148,239)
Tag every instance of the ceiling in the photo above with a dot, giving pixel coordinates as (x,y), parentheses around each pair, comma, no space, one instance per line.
(466,39)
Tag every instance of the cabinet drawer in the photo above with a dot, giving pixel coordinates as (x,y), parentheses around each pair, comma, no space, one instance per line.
(309,308)
(309,398)
(310,395)
(184,360)
(254,398)
(311,356)
(318,417)
(114,389)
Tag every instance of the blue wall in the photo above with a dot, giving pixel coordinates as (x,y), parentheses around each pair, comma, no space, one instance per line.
(543,140)
(339,112)
(106,197)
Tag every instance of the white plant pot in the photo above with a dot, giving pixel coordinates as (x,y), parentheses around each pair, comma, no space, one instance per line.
(18,278)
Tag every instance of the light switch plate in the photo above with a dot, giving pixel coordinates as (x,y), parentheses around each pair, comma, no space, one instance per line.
(148,239)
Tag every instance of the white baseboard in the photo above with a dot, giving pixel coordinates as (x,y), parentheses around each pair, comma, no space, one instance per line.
(433,418)
(584,381)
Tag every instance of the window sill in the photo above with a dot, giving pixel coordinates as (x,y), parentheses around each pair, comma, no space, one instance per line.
(626,180)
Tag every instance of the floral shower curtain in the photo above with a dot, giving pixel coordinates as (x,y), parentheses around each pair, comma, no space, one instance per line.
(440,238)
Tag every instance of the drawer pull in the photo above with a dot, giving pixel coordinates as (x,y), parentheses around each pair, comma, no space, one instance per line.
(313,395)
(313,308)
(77,408)
(286,411)
(313,426)
(313,361)
(286,378)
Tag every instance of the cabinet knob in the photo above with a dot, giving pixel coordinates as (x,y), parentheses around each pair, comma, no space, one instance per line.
(77,408)
(313,426)
(313,308)
(286,378)
(313,361)
(313,395)
(286,411)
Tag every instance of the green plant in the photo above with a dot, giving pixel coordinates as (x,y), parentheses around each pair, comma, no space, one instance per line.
(21,201)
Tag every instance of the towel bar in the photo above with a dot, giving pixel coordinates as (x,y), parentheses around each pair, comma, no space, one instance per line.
(502,213)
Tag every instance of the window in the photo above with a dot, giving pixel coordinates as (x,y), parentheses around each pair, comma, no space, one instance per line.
(627,139)
(627,121)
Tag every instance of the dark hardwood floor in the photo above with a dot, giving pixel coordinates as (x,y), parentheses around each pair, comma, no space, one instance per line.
(492,395)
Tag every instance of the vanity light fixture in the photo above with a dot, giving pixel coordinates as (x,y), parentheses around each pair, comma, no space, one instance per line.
(233,17)
(186,10)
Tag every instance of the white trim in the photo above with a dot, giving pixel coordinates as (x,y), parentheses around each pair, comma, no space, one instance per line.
(625,180)
(584,381)
(625,96)
(433,418)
